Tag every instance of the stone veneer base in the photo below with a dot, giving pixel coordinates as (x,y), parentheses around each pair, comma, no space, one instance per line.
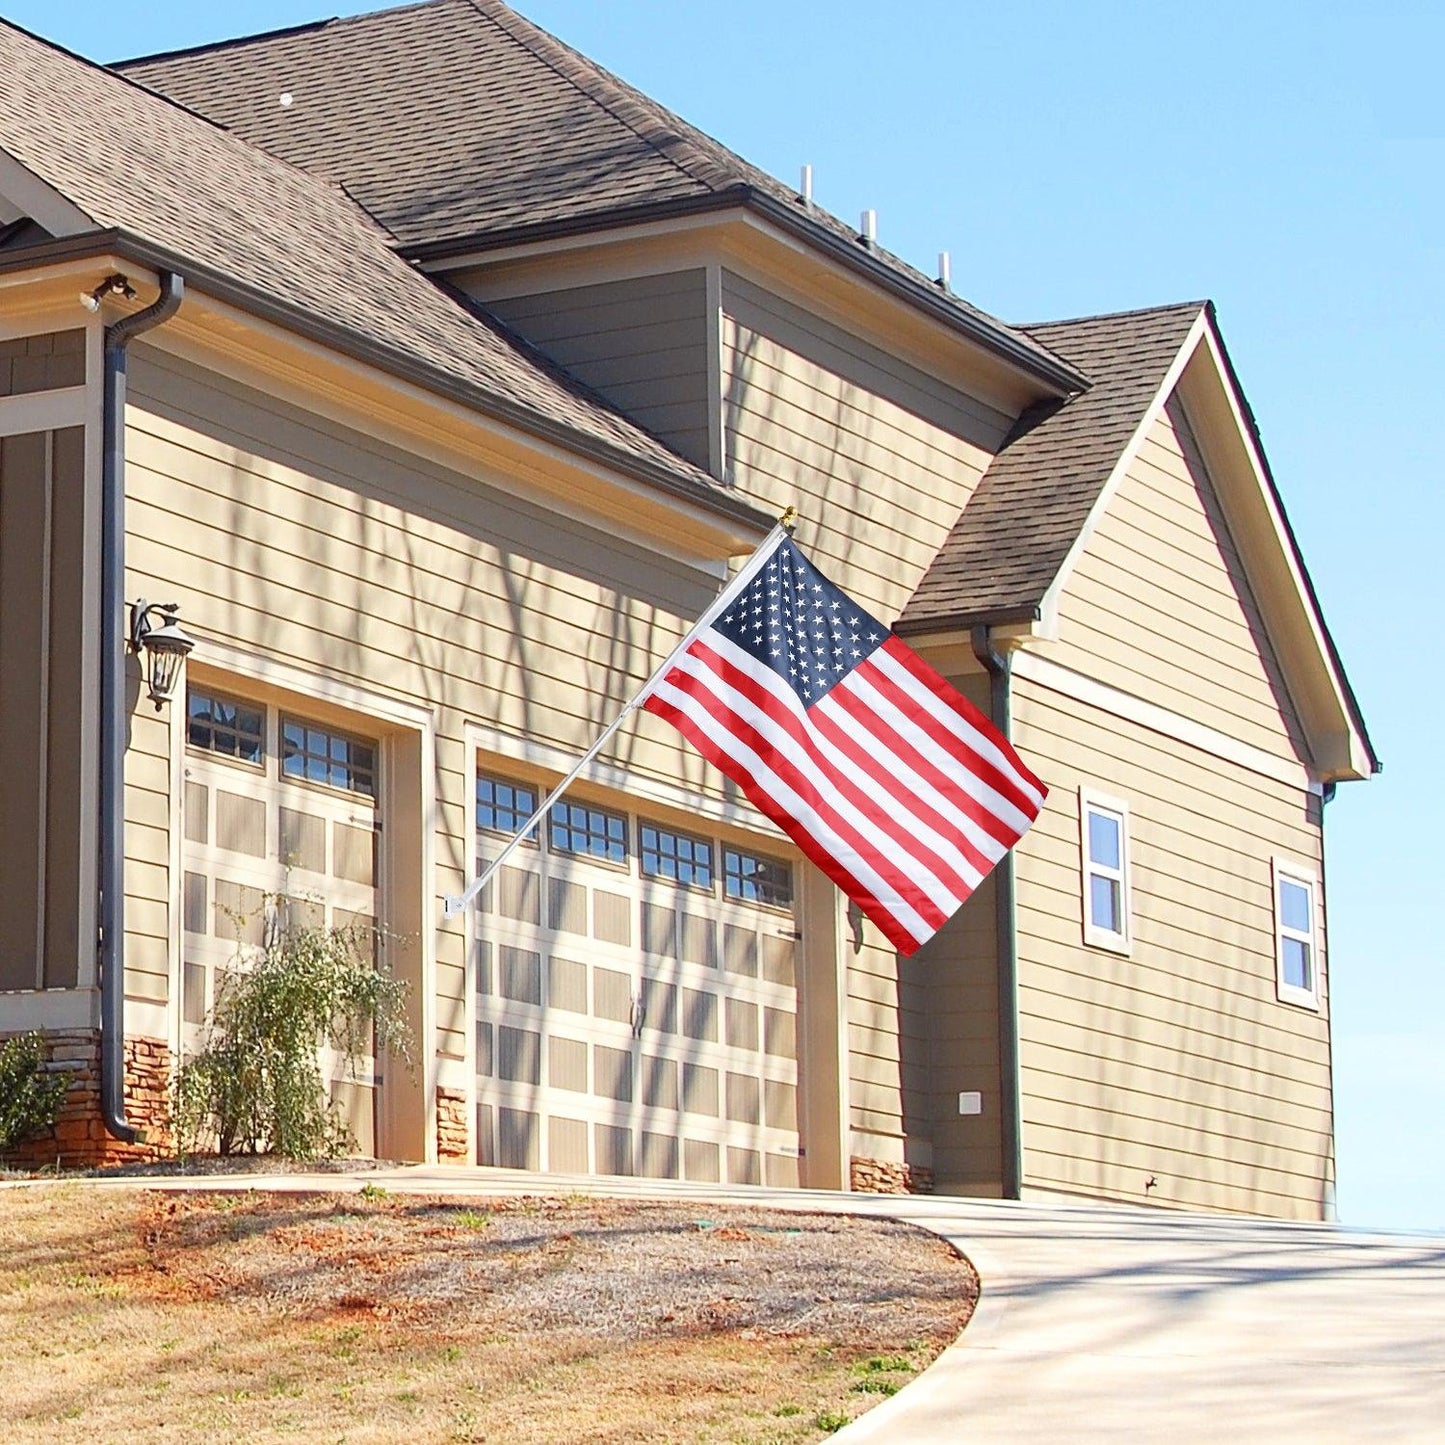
(78,1138)
(452,1132)
(873,1176)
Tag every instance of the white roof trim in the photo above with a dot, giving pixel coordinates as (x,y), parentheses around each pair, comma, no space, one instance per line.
(1202,342)
(25,193)
(1360,758)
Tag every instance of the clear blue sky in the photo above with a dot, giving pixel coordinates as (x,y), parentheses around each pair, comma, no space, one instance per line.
(1076,156)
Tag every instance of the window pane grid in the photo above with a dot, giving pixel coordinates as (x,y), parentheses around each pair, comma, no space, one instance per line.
(1106,901)
(676,856)
(503,806)
(577,828)
(318,755)
(224,726)
(1294,905)
(754,879)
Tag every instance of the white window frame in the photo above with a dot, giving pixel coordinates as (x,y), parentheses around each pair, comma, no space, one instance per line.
(1303,876)
(1090,800)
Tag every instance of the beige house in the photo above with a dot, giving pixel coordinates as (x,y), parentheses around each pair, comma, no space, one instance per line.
(437,375)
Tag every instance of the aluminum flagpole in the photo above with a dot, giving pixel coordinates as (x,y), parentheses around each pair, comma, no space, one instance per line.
(453,905)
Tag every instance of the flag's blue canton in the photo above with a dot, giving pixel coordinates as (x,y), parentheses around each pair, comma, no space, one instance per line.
(793,620)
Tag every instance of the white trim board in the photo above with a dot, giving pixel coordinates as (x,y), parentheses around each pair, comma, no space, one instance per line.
(52,1009)
(473,737)
(44,410)
(31,195)
(1161,720)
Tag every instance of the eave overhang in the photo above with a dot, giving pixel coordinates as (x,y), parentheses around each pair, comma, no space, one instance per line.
(1050,373)
(742,518)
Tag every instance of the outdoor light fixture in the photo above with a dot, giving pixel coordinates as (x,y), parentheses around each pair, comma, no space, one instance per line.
(115,285)
(165,645)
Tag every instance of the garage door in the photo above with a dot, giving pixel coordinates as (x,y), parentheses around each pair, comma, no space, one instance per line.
(280,828)
(638,1001)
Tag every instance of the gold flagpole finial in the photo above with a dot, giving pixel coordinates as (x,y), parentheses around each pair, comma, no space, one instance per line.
(789,519)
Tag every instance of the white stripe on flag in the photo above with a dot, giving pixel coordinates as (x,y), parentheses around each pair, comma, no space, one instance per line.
(898,799)
(808,818)
(970,736)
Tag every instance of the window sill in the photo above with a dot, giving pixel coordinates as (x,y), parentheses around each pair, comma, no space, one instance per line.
(1297,997)
(1108,942)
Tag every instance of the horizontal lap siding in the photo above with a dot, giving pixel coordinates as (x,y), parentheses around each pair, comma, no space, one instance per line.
(300,541)
(1159,604)
(641,343)
(881,459)
(879,456)
(1177,1062)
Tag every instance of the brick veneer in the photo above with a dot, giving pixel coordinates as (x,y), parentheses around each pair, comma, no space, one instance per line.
(451,1125)
(873,1176)
(78,1137)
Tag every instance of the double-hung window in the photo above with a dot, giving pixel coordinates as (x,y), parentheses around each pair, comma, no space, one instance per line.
(1104,848)
(1296,944)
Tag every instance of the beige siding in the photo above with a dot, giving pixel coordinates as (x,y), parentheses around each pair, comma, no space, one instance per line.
(298,541)
(642,343)
(45,897)
(921,1031)
(147,849)
(1159,604)
(879,457)
(1177,1062)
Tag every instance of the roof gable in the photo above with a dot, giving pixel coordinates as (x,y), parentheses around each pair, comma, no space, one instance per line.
(1028,513)
(1013,550)
(138,164)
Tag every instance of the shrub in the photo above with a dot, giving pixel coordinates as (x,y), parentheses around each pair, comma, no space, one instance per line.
(30,1094)
(256,1086)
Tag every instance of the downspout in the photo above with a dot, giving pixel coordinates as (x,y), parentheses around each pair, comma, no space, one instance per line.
(111,872)
(998,667)
(1329,1191)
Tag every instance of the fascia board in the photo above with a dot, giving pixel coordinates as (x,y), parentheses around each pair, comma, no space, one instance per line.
(1280,575)
(752,523)
(35,197)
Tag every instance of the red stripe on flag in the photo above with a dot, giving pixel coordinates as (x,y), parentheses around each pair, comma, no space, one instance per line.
(955,701)
(895,933)
(804,785)
(803,729)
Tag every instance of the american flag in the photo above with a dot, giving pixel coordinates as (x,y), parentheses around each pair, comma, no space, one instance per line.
(890,780)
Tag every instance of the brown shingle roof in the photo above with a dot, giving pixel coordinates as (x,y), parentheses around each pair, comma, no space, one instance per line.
(460,121)
(136,162)
(1011,539)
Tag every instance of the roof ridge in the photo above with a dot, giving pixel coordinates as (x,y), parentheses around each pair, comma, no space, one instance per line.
(234,41)
(624,102)
(209,45)
(1165,309)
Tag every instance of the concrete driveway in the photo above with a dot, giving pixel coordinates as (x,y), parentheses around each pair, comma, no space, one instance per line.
(1100,1323)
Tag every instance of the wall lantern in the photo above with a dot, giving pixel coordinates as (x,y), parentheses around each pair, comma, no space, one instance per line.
(164,644)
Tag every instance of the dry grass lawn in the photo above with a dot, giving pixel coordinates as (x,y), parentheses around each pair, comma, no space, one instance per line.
(240,1316)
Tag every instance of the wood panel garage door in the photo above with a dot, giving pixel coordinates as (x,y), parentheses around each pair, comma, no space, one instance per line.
(279,829)
(638,1003)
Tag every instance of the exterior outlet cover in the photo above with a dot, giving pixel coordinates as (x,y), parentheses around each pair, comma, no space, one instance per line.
(970,1102)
